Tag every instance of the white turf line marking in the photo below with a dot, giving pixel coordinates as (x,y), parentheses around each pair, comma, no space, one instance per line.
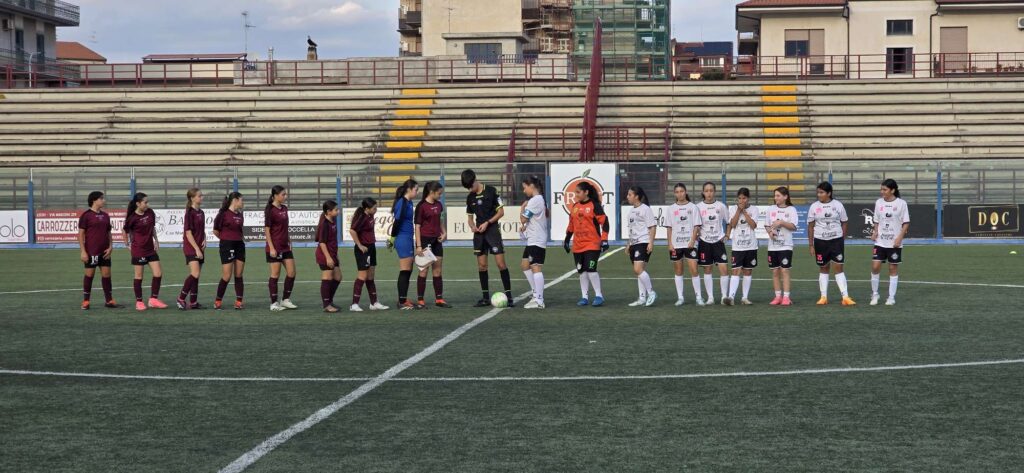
(884,281)
(268,445)
(733,374)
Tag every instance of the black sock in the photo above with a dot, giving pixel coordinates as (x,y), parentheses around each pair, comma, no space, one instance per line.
(484,285)
(403,286)
(506,282)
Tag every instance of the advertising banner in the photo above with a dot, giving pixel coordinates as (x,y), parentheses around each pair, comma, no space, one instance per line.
(14,226)
(862,221)
(61,226)
(981,221)
(565,177)
(382,224)
(301,225)
(458,224)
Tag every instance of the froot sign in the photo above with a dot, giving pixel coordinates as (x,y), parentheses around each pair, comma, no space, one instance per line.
(564,180)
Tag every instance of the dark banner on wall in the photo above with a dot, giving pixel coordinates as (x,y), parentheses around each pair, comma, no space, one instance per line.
(982,221)
(862,221)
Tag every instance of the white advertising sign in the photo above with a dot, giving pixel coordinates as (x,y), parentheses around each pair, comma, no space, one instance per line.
(565,177)
(382,221)
(458,224)
(14,226)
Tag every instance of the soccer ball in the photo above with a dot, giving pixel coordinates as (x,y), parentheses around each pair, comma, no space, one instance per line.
(498,299)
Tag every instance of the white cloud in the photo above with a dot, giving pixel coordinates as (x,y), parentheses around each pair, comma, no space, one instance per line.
(339,14)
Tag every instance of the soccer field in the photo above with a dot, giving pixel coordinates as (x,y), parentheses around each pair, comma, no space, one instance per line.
(932,384)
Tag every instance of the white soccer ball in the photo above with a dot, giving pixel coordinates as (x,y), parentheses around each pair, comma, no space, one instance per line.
(498,299)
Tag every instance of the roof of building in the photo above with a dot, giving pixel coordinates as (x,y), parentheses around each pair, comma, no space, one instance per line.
(194,57)
(791,3)
(75,51)
(707,48)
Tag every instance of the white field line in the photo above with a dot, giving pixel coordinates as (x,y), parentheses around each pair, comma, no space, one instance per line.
(730,374)
(884,281)
(268,445)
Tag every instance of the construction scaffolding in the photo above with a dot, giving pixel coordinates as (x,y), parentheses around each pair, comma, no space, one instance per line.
(637,38)
(547,25)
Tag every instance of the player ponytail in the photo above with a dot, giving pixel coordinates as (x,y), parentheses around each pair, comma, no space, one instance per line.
(367,204)
(402,189)
(785,191)
(640,194)
(274,192)
(429,188)
(134,204)
(893,186)
(228,199)
(592,194)
(538,184)
(191,194)
(680,185)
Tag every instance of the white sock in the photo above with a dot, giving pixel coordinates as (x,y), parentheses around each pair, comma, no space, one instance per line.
(641,291)
(785,294)
(709,286)
(595,280)
(645,278)
(680,286)
(723,284)
(747,280)
(823,284)
(874,284)
(893,282)
(778,293)
(734,285)
(585,285)
(695,282)
(538,285)
(529,278)
(841,282)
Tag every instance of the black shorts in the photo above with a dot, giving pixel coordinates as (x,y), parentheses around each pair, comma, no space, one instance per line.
(280,257)
(145,260)
(231,251)
(367,260)
(586,262)
(681,253)
(324,267)
(780,259)
(535,255)
(190,259)
(709,254)
(638,252)
(829,251)
(97,261)
(488,242)
(887,255)
(745,259)
(434,243)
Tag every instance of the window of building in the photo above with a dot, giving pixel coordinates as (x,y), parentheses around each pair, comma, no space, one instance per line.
(803,43)
(712,62)
(899,27)
(899,60)
(489,53)
(40,46)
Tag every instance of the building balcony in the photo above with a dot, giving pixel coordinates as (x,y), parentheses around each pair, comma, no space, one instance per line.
(56,11)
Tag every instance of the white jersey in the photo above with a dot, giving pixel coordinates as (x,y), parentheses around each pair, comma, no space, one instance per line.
(641,219)
(890,217)
(681,219)
(828,220)
(714,217)
(744,238)
(536,231)
(783,240)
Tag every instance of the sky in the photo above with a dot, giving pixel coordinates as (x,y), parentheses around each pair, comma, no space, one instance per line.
(125,31)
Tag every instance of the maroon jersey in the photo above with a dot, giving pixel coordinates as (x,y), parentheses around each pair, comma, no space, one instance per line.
(363,225)
(97,231)
(277,220)
(229,224)
(327,233)
(428,217)
(140,229)
(195,224)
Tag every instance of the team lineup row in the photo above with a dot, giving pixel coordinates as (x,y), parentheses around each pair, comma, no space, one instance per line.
(696,234)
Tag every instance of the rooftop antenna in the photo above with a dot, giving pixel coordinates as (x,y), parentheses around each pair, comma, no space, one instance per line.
(246,26)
